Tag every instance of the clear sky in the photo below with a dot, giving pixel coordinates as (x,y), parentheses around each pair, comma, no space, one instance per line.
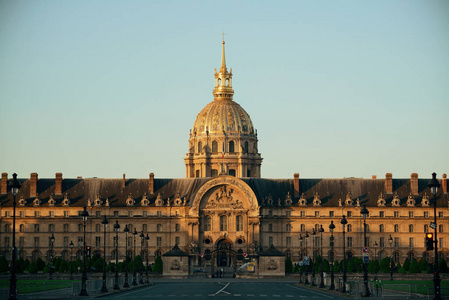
(334,88)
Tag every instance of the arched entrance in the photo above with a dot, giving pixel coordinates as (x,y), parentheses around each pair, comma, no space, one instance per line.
(224,259)
(223,254)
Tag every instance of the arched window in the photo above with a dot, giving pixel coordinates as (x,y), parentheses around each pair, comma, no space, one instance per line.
(231,147)
(207,223)
(410,228)
(367,227)
(80,227)
(227,81)
(317,228)
(7,227)
(410,256)
(51,227)
(239,223)
(200,147)
(214,147)
(159,227)
(396,257)
(381,228)
(223,223)
(177,228)
(270,227)
(396,228)
(303,228)
(245,149)
(381,255)
(288,227)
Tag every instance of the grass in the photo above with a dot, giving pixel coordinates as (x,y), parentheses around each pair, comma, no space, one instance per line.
(420,287)
(33,286)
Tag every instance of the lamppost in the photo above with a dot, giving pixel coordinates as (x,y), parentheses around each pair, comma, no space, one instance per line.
(83,291)
(105,223)
(142,238)
(14,184)
(390,241)
(116,228)
(434,184)
(307,269)
(126,230)
(331,229)
(313,257)
(50,271)
(301,257)
(134,258)
(343,222)
(148,241)
(364,211)
(71,260)
(321,230)
(375,268)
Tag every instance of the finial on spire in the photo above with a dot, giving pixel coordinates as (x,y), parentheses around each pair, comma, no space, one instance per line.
(223,60)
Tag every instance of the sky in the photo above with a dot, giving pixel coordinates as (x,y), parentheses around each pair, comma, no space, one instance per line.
(334,88)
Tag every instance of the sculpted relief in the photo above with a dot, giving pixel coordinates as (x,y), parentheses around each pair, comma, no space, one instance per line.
(223,197)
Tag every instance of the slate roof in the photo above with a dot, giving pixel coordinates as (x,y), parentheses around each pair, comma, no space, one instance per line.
(175,252)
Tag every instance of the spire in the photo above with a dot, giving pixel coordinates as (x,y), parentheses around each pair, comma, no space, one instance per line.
(223,60)
(223,79)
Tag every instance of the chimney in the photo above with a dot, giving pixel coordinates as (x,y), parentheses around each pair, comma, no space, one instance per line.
(58,184)
(151,184)
(414,183)
(389,183)
(4,188)
(296,184)
(374,177)
(443,183)
(124,181)
(33,184)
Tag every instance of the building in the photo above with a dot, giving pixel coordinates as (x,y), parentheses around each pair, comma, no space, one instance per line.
(223,210)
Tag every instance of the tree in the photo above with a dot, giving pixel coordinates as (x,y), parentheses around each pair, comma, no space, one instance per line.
(40,264)
(158,265)
(33,267)
(337,266)
(414,266)
(406,265)
(442,266)
(326,267)
(385,265)
(288,265)
(3,264)
(424,266)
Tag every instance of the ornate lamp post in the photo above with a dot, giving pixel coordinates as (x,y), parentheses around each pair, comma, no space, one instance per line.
(390,241)
(321,230)
(116,228)
(301,257)
(375,268)
(126,230)
(343,222)
(306,236)
(71,260)
(142,238)
(434,184)
(83,291)
(313,257)
(105,223)
(364,211)
(134,258)
(52,242)
(331,229)
(148,241)
(14,184)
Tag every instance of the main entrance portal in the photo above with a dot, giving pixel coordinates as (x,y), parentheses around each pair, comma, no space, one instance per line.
(223,254)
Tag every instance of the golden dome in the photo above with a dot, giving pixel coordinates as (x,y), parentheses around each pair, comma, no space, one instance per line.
(223,115)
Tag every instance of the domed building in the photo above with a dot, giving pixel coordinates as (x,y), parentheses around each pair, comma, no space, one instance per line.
(223,139)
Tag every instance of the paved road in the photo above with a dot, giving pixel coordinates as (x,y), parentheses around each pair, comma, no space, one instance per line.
(223,290)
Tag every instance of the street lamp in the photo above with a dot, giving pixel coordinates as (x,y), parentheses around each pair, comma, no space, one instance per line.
(83,291)
(321,230)
(301,257)
(50,271)
(134,258)
(313,257)
(14,184)
(375,268)
(71,260)
(126,230)
(390,241)
(116,228)
(142,238)
(331,229)
(307,269)
(364,211)
(434,184)
(105,223)
(148,241)
(343,222)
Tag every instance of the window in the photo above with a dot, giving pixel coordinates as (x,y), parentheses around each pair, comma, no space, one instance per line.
(145,213)
(130,213)
(396,242)
(36,227)
(197,173)
(288,214)
(349,214)
(51,227)
(349,228)
(440,214)
(410,228)
(317,213)
(302,214)
(381,242)
(97,228)
(21,242)
(214,147)
(97,242)
(66,227)
(177,240)
(381,214)
(396,257)
(426,228)
(396,214)
(80,227)
(381,228)
(177,228)
(288,228)
(66,241)
(144,227)
(37,214)
(232,172)
(159,241)
(367,227)
(22,214)
(207,223)
(97,214)
(80,242)
(36,242)
(410,214)
(239,223)
(441,243)
(270,240)
(51,214)
(303,228)
(223,223)
(440,229)
(288,241)
(159,214)
(214,172)
(245,150)
(411,242)
(7,239)
(231,147)
(426,214)
(349,241)
(396,228)
(115,213)
(22,228)
(331,214)
(270,213)
(270,227)
(66,214)
(200,147)
(159,227)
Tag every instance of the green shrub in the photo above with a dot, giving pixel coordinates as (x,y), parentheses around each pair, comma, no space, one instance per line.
(4,267)
(40,264)
(442,266)
(158,265)
(414,266)
(288,265)
(406,265)
(32,268)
